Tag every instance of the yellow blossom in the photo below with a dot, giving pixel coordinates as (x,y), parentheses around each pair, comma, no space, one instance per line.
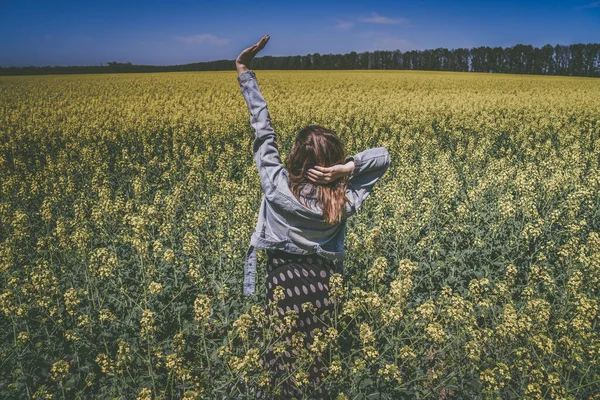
(60,370)
(155,288)
(202,308)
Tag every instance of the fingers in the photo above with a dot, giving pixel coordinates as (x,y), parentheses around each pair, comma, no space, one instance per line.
(248,54)
(320,172)
(318,176)
(313,176)
(261,43)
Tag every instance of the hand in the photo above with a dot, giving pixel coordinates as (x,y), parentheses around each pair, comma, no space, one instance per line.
(325,175)
(242,62)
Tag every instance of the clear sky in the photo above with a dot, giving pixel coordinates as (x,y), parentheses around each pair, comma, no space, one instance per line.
(160,32)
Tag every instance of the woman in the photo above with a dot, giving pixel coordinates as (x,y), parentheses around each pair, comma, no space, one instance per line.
(302,217)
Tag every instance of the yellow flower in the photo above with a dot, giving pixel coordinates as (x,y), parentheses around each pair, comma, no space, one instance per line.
(124,356)
(331,334)
(435,332)
(242,324)
(389,372)
(169,256)
(359,365)
(407,353)
(478,288)
(236,363)
(105,363)
(366,334)
(144,394)
(83,320)
(191,395)
(318,345)
(426,311)
(336,286)
(393,315)
(155,287)
(473,350)
(60,370)
(71,335)
(335,368)
(301,378)
(6,302)
(190,244)
(72,300)
(372,301)
(377,271)
(370,353)
(106,315)
(278,293)
(223,292)
(23,338)
(103,263)
(147,326)
(202,308)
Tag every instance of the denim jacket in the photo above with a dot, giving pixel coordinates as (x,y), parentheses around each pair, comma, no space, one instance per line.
(283,222)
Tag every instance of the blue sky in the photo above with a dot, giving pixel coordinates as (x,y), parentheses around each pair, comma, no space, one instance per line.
(61,32)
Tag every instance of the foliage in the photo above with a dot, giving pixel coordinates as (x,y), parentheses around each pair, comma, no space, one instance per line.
(575,60)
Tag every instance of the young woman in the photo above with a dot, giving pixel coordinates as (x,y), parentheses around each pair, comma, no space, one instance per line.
(302,217)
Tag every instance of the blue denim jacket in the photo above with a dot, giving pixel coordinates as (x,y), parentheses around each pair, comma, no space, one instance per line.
(283,222)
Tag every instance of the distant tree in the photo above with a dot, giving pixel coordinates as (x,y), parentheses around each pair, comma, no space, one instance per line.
(316,61)
(576,63)
(296,62)
(562,55)
(396,62)
(363,60)
(545,60)
(462,58)
(306,62)
(591,58)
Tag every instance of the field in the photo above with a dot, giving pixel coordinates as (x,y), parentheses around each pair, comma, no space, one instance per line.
(127,203)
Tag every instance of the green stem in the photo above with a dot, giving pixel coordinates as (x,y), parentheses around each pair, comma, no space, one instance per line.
(150,371)
(204,346)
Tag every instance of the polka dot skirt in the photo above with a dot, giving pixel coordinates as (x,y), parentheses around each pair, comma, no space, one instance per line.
(304,278)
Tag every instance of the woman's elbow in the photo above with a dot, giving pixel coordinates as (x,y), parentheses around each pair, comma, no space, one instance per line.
(387,158)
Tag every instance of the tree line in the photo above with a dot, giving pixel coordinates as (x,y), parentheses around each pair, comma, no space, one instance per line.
(575,60)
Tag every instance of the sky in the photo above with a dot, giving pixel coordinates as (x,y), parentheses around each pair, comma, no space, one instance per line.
(153,32)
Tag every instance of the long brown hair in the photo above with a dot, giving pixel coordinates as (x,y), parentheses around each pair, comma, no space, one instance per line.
(316,145)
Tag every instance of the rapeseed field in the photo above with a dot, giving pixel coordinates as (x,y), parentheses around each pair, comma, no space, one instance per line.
(127,203)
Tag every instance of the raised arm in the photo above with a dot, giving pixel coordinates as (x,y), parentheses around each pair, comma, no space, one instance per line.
(266,152)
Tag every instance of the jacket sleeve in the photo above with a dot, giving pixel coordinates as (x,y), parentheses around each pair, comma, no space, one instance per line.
(369,166)
(266,152)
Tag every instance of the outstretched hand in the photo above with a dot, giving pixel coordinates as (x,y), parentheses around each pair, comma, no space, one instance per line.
(242,62)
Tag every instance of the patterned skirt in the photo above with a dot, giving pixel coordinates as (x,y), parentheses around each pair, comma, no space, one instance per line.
(304,278)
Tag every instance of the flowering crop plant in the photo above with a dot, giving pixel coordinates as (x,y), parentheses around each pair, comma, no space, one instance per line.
(127,202)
